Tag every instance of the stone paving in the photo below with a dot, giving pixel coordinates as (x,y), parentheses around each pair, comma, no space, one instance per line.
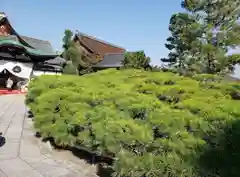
(24,155)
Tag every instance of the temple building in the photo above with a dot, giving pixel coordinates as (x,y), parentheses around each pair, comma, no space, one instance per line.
(104,54)
(23,57)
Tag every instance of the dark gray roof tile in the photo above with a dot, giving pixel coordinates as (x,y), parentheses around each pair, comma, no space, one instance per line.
(56,61)
(38,44)
(113,60)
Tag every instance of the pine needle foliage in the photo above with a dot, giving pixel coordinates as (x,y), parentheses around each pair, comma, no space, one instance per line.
(152,124)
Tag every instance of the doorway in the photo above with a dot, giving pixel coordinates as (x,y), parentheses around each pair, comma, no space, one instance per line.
(17,81)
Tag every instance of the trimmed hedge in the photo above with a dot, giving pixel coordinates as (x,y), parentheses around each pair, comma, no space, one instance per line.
(151,123)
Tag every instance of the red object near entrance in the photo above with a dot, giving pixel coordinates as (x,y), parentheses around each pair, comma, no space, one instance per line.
(6,92)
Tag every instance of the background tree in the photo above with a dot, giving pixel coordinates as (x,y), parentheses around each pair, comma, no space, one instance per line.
(182,44)
(136,60)
(201,37)
(67,43)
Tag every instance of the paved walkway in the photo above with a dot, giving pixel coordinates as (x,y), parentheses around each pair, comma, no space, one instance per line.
(24,155)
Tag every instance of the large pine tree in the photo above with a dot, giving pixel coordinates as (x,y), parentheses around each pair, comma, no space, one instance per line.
(182,44)
(201,37)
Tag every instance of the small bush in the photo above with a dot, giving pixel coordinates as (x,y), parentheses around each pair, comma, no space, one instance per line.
(151,123)
(70,69)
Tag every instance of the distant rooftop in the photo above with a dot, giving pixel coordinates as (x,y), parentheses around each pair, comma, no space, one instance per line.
(98,40)
(111,60)
(97,46)
(39,44)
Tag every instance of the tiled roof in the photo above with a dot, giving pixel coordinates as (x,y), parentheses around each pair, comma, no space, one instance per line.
(56,61)
(113,60)
(47,67)
(39,44)
(231,78)
(98,46)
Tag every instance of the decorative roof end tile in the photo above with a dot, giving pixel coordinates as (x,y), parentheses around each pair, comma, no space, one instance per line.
(3,15)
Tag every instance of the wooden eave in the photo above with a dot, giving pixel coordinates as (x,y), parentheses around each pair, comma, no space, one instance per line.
(78,38)
(96,41)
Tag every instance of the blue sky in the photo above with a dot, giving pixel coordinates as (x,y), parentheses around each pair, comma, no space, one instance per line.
(132,24)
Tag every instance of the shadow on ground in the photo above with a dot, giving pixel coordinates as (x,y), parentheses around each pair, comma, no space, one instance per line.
(102,163)
(222,156)
(30,115)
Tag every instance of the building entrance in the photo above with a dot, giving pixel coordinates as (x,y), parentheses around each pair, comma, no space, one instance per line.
(16,84)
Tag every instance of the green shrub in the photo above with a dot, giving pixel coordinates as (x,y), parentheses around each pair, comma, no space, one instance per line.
(44,83)
(151,123)
(70,69)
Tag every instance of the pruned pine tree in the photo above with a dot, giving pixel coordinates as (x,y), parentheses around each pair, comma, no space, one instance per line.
(74,54)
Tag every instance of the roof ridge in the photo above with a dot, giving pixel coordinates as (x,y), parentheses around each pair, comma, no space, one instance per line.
(3,15)
(98,40)
(20,36)
(30,41)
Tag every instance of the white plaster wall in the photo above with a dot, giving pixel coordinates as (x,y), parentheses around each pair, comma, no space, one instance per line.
(39,73)
(26,68)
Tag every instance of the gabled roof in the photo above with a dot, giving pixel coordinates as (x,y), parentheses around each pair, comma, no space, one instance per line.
(113,60)
(39,54)
(37,44)
(98,46)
